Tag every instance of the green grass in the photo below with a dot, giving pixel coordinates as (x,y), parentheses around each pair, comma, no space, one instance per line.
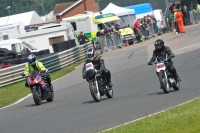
(13,92)
(182,119)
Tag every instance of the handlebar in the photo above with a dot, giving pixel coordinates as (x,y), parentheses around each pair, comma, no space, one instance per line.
(161,61)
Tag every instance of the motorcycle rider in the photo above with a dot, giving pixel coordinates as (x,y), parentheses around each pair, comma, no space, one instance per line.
(99,64)
(160,53)
(34,64)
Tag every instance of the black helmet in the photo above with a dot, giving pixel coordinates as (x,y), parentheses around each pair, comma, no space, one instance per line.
(91,54)
(158,43)
(31,59)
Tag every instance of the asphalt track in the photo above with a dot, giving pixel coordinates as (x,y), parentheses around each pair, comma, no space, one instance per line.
(136,92)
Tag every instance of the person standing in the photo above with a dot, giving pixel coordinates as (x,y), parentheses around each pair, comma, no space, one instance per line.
(136,30)
(198,12)
(179,18)
(170,20)
(82,38)
(154,24)
(185,15)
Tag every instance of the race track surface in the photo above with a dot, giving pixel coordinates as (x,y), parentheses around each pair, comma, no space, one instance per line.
(137,92)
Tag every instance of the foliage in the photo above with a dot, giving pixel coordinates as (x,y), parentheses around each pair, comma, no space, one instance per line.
(42,7)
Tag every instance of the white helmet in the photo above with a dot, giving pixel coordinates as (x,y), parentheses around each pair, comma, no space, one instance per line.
(91,54)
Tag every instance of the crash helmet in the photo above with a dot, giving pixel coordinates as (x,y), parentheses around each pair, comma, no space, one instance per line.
(31,59)
(91,54)
(159,44)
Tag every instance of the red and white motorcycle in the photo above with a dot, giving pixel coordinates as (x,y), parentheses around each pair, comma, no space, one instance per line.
(166,79)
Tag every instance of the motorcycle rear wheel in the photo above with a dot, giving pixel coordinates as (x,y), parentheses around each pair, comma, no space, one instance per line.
(164,82)
(36,97)
(93,90)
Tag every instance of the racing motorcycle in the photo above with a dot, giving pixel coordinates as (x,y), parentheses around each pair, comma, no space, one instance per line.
(39,87)
(166,79)
(97,83)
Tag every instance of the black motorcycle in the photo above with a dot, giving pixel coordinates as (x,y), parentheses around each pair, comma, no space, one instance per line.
(97,83)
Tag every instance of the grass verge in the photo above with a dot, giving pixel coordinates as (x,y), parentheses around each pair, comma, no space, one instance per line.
(181,119)
(13,92)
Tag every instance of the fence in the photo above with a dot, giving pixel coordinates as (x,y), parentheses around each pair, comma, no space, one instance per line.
(52,63)
(194,17)
(109,42)
(149,31)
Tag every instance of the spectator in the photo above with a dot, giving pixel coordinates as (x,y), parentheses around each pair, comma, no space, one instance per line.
(175,22)
(198,11)
(170,20)
(146,26)
(82,38)
(185,15)
(102,32)
(188,13)
(154,24)
(108,37)
(136,29)
(117,27)
(179,19)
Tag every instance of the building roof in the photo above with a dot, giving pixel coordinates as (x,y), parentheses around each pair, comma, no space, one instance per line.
(64,7)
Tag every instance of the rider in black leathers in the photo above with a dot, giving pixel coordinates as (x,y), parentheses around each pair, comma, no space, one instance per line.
(160,53)
(99,64)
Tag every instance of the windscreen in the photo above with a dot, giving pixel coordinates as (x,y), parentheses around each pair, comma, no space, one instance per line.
(117,22)
(29,46)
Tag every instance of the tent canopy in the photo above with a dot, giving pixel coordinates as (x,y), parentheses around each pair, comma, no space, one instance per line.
(28,18)
(119,11)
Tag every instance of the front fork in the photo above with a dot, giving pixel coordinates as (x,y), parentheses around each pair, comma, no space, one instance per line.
(97,86)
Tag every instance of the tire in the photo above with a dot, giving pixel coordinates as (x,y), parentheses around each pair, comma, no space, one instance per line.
(95,94)
(36,98)
(50,99)
(164,83)
(176,85)
(109,94)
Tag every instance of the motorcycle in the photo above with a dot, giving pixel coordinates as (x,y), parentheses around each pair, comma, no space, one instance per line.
(39,87)
(97,83)
(166,79)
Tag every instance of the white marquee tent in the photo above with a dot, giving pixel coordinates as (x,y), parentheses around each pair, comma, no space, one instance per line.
(128,15)
(28,18)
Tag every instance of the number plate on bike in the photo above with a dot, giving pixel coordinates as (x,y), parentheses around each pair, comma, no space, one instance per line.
(161,65)
(89,66)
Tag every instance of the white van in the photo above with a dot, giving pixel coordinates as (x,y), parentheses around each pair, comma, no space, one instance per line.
(18,46)
(158,14)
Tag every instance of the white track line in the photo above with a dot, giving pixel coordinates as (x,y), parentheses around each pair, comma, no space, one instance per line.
(149,115)
(178,51)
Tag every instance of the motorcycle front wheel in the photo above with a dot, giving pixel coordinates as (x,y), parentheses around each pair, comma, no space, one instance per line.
(176,85)
(36,97)
(51,97)
(94,92)
(109,94)
(164,82)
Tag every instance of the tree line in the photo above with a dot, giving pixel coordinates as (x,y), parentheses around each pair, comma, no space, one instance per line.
(42,7)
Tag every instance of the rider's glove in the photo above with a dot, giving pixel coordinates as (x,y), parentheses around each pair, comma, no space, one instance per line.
(171,56)
(149,63)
